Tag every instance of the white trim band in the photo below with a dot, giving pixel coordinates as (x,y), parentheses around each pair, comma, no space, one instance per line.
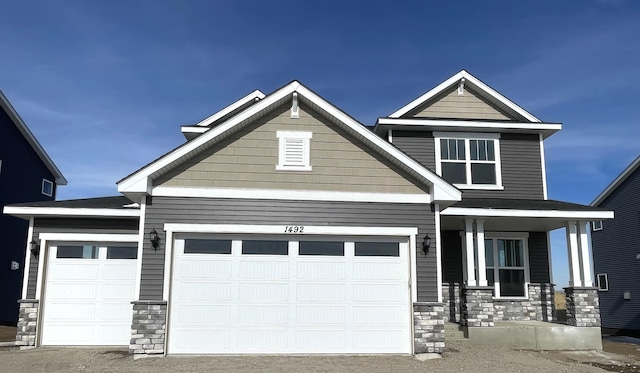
(67,211)
(586,215)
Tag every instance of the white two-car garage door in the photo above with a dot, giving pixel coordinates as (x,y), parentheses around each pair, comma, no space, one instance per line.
(257,295)
(88,294)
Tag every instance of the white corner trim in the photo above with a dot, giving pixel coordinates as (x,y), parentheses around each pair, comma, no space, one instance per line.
(544,167)
(42,259)
(27,260)
(587,215)
(66,211)
(168,263)
(243,101)
(287,194)
(89,237)
(438,252)
(141,236)
(468,79)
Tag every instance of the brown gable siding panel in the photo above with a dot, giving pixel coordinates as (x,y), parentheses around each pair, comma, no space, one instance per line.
(270,212)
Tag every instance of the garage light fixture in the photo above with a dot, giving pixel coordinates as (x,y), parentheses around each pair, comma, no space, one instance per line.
(35,248)
(155,239)
(426,242)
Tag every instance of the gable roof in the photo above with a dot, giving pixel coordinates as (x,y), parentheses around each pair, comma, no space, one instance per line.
(624,175)
(140,182)
(31,139)
(484,90)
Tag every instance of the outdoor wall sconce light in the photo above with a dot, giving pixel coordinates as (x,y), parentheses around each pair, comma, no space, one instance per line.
(425,244)
(35,248)
(154,239)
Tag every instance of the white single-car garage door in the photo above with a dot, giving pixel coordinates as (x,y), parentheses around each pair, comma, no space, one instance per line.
(88,294)
(276,295)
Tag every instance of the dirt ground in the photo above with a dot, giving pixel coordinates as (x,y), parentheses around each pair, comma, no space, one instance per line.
(619,355)
(460,357)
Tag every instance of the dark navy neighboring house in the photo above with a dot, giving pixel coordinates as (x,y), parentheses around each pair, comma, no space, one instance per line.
(27,174)
(616,253)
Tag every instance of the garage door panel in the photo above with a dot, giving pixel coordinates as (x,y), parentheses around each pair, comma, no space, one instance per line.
(119,271)
(319,270)
(57,311)
(321,315)
(203,314)
(72,290)
(321,292)
(378,271)
(191,340)
(260,314)
(379,293)
(79,270)
(381,340)
(205,268)
(118,291)
(319,340)
(264,270)
(378,314)
(113,311)
(201,290)
(263,292)
(262,340)
(61,334)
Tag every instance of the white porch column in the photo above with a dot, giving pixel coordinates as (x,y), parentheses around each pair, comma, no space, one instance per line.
(482,265)
(583,245)
(471,272)
(574,257)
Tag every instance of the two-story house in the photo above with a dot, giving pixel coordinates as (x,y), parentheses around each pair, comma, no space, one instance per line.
(27,174)
(616,253)
(283,225)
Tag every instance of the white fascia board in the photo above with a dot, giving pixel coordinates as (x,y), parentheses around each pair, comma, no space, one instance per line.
(31,139)
(616,182)
(469,79)
(139,182)
(479,212)
(288,194)
(229,109)
(440,187)
(66,211)
(193,129)
(89,237)
(470,124)
(279,229)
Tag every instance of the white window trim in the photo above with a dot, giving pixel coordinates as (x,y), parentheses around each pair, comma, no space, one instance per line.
(466,136)
(596,225)
(599,285)
(44,182)
(306,137)
(525,246)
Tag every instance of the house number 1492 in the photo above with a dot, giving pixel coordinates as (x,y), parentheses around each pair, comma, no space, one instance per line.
(294,229)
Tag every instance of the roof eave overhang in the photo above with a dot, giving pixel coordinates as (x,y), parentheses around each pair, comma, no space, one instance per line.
(26,212)
(617,182)
(509,213)
(415,124)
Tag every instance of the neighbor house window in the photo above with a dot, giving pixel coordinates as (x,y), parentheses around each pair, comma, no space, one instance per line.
(47,187)
(294,152)
(469,160)
(602,282)
(596,225)
(507,266)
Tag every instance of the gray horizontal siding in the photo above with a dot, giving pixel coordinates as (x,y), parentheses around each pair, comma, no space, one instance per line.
(270,212)
(74,225)
(614,252)
(520,163)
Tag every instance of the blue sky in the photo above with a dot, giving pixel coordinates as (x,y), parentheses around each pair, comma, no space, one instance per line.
(105,85)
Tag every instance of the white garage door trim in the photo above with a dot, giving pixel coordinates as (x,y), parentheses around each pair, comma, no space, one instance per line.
(408,235)
(122,271)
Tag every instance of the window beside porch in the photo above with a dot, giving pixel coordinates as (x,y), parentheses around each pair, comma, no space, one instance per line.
(506,266)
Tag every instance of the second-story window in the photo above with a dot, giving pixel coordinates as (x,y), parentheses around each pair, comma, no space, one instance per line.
(47,187)
(469,161)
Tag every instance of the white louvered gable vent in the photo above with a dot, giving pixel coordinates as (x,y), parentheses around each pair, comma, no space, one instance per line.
(294,150)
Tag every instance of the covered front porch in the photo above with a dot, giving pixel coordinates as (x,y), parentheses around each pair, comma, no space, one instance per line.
(497,273)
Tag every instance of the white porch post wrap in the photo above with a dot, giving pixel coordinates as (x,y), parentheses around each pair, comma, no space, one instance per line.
(471,272)
(482,265)
(574,258)
(583,244)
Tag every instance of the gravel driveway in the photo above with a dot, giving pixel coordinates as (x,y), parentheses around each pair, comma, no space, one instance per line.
(461,357)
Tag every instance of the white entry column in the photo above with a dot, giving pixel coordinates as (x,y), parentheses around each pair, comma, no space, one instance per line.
(578,252)
(470,262)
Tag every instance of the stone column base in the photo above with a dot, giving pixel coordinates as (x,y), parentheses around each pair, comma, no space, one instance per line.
(477,303)
(428,320)
(148,328)
(583,306)
(27,322)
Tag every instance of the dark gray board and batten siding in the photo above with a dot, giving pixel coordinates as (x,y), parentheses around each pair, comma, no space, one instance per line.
(521,163)
(615,248)
(74,225)
(452,271)
(273,212)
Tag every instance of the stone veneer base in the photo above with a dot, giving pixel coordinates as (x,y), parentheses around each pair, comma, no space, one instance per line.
(477,306)
(428,319)
(148,327)
(27,322)
(583,306)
